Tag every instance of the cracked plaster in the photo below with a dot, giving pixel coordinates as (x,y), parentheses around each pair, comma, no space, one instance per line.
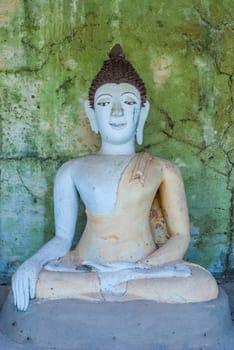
(50,51)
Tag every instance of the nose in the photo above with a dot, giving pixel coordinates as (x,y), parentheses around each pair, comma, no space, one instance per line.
(117,109)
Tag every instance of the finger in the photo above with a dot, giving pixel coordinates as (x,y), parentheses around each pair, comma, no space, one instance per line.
(32,288)
(18,294)
(13,285)
(21,294)
(25,284)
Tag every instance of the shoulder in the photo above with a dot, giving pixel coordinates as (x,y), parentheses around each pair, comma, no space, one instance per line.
(164,163)
(74,165)
(167,167)
(171,171)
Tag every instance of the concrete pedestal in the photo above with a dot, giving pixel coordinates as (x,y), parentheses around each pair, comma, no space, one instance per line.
(133,325)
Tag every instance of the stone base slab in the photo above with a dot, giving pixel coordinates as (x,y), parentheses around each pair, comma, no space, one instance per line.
(134,325)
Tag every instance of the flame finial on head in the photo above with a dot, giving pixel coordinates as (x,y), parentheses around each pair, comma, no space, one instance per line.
(117,70)
(116,52)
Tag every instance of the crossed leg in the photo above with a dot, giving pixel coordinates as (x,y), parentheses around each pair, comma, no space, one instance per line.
(198,286)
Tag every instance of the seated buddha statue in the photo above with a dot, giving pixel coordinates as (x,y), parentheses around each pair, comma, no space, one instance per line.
(137,229)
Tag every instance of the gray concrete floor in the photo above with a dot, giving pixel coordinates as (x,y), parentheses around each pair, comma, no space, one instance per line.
(227,285)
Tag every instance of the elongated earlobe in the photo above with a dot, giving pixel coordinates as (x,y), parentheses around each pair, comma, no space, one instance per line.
(142,119)
(91,116)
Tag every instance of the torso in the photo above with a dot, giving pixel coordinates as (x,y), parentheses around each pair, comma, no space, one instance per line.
(114,234)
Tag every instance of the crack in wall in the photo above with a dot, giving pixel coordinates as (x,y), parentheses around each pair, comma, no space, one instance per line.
(217,171)
(230,84)
(171,133)
(39,159)
(228,156)
(207,23)
(186,142)
(214,48)
(211,46)
(49,48)
(230,232)
(225,130)
(215,34)
(34,198)
(169,120)
(230,249)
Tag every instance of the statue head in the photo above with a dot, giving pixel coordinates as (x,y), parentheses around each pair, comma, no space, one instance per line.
(117,70)
(119,94)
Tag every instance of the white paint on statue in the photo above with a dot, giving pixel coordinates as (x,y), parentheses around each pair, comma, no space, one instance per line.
(117,246)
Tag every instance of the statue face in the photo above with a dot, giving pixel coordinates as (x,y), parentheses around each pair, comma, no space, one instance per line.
(117,109)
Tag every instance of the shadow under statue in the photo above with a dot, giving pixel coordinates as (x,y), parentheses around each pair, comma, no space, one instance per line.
(125,285)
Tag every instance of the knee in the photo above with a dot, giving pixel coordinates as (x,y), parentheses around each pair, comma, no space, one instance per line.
(203,285)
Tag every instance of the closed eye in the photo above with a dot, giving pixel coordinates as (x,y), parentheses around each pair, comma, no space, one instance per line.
(103,104)
(130,103)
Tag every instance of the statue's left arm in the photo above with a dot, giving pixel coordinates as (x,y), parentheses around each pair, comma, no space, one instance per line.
(174,206)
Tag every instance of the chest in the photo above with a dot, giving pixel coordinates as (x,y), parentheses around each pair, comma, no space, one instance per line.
(97,181)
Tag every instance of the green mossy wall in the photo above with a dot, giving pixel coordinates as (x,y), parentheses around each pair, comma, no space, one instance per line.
(51,50)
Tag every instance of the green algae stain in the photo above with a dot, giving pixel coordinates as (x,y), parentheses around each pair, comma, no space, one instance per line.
(51,51)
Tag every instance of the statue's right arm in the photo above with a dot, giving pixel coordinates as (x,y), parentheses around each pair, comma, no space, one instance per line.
(25,278)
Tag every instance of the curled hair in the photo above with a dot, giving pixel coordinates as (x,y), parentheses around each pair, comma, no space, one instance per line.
(117,70)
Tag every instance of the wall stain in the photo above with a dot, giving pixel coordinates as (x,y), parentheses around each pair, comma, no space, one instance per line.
(51,51)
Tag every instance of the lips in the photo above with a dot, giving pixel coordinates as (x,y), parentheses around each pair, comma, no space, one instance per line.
(118,126)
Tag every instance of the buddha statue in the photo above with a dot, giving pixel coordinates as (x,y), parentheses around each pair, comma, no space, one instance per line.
(137,228)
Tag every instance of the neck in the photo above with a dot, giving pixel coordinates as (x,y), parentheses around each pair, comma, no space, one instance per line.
(123,149)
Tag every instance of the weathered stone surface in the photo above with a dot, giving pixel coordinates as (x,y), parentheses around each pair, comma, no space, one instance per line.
(149,325)
(50,51)
(26,208)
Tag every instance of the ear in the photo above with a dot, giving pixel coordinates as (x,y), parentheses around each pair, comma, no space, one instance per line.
(91,115)
(141,122)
